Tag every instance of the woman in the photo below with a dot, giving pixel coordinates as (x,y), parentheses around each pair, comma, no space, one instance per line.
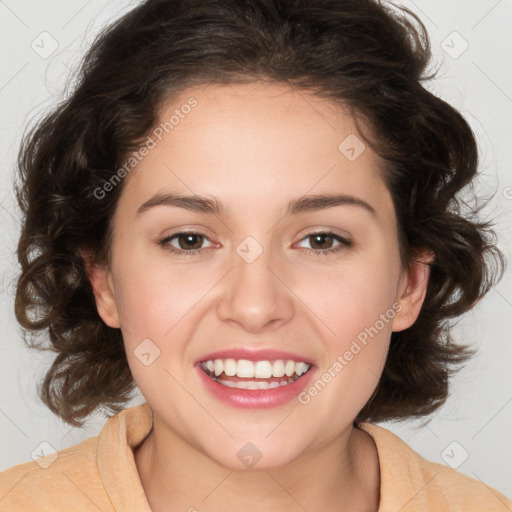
(250,211)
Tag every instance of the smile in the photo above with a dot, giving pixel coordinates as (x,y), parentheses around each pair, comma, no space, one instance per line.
(254,375)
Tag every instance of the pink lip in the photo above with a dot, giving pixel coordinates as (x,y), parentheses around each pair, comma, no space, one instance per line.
(257,398)
(254,355)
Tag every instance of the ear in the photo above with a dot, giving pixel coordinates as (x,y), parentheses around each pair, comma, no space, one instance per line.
(103,288)
(412,290)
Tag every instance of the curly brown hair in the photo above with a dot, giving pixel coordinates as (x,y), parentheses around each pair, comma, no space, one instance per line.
(359,53)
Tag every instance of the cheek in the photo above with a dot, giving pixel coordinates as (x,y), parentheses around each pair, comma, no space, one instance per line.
(154,298)
(154,307)
(159,307)
(353,297)
(357,310)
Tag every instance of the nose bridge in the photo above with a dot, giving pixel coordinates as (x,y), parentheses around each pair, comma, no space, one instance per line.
(254,296)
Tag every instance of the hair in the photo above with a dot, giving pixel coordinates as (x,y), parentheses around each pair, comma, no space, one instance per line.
(371,58)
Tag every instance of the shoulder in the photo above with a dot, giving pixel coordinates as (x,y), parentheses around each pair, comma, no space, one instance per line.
(96,474)
(410,482)
(56,481)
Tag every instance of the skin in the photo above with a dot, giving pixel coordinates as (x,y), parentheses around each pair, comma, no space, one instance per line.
(255,147)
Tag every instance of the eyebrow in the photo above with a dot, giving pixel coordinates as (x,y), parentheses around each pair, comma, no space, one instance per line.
(213,206)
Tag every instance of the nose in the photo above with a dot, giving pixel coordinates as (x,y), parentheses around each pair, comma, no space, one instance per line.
(256,296)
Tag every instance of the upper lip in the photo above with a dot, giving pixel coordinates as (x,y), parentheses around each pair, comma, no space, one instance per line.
(267,354)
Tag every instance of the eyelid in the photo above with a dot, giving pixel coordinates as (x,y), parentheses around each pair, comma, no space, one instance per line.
(313,230)
(165,240)
(343,242)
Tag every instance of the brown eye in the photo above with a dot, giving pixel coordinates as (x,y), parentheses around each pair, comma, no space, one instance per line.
(322,243)
(184,242)
(189,241)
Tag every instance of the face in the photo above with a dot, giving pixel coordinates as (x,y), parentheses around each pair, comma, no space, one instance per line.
(271,275)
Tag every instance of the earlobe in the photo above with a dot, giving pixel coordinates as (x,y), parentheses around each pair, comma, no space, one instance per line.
(413,289)
(103,289)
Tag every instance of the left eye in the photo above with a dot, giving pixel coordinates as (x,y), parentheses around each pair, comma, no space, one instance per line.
(321,239)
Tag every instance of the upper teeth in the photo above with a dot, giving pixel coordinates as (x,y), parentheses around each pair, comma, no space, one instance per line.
(255,369)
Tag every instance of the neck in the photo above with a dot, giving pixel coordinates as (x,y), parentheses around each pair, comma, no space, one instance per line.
(341,475)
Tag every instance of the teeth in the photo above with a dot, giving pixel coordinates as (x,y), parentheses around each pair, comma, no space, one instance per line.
(244,384)
(230,367)
(244,368)
(301,368)
(263,370)
(278,368)
(289,368)
(219,366)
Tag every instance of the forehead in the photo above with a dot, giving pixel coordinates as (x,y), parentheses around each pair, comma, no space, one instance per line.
(248,143)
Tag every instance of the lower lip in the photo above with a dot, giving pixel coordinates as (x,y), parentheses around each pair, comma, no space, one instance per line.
(255,398)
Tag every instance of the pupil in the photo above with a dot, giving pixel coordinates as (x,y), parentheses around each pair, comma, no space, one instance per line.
(321,236)
(188,238)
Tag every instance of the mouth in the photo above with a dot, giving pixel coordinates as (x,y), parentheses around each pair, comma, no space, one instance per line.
(254,375)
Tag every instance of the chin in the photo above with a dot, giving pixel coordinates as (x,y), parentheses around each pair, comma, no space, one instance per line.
(248,452)
(252,459)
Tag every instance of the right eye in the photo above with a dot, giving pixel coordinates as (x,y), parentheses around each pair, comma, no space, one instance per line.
(185,240)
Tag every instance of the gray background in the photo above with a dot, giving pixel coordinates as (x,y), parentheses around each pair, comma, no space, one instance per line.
(472,431)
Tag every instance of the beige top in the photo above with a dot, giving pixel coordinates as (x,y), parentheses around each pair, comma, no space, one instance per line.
(99,474)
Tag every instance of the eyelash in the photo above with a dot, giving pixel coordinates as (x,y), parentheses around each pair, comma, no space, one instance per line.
(344,243)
